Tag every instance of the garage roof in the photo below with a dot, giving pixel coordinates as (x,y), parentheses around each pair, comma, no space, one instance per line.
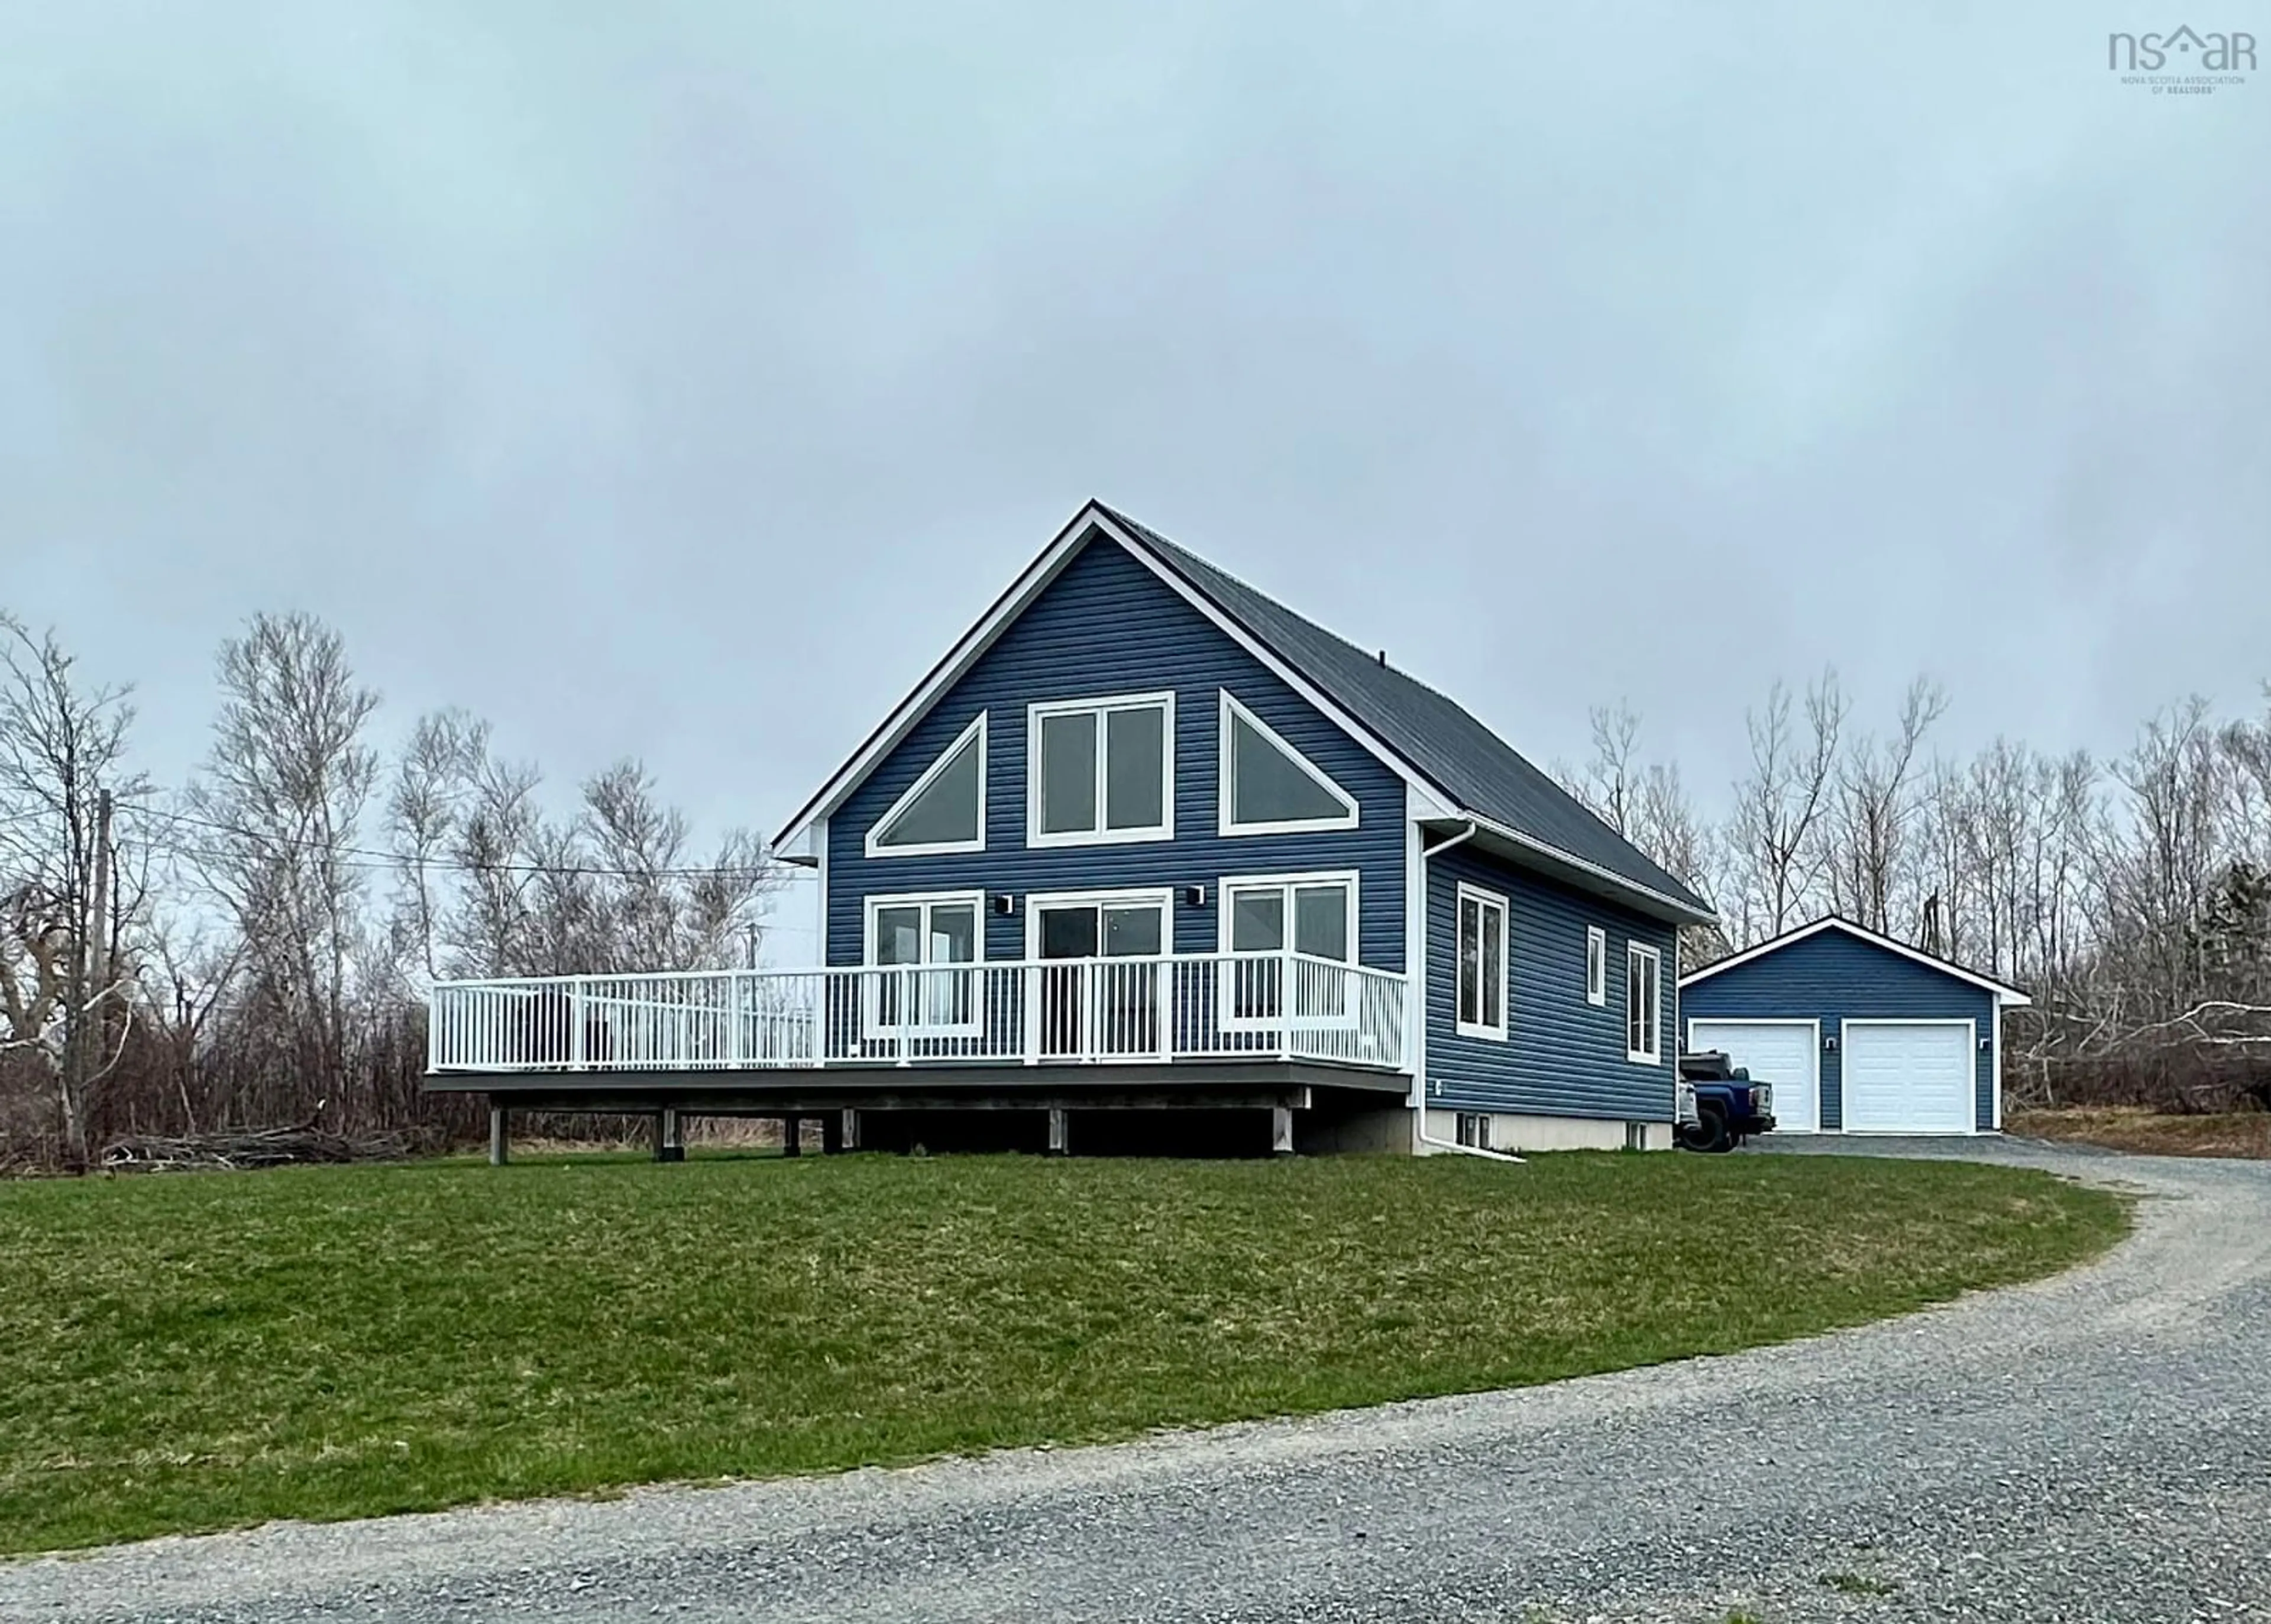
(2004,990)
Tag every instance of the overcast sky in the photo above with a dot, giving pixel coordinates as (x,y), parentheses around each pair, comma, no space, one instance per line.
(678,380)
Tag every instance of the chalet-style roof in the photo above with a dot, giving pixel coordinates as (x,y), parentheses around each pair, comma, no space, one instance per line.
(1470,771)
(1480,771)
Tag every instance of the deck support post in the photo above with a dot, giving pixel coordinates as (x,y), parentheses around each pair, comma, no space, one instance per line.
(499,1123)
(791,1135)
(832,1134)
(669,1143)
(1060,1137)
(848,1133)
(1281,1130)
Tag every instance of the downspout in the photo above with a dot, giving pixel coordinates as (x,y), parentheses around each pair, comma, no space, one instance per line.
(1419,1117)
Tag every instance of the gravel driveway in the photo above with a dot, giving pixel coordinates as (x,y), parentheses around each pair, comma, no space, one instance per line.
(2095,1447)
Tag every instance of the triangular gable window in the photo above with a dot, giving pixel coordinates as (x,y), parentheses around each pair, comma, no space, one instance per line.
(944,810)
(1268,787)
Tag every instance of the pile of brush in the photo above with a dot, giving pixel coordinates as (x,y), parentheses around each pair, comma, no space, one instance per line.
(229,1150)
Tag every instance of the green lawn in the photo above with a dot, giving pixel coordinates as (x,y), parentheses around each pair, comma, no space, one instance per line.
(192,1353)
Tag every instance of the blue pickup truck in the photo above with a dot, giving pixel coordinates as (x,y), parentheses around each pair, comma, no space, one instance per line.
(1719,1104)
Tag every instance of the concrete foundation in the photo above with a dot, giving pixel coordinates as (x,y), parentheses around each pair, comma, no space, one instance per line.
(1522,1134)
(1381,1132)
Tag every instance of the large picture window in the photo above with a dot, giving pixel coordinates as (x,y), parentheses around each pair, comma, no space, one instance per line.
(1270,787)
(923,936)
(1101,771)
(943,811)
(1313,915)
(1643,1005)
(1482,963)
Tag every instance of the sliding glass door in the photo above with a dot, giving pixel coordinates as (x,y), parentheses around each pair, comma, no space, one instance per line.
(1089,1004)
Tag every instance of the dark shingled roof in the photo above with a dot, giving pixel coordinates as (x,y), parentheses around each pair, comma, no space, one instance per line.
(1433,734)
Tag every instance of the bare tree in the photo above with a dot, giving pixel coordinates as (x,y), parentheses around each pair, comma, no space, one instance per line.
(1779,803)
(1607,784)
(277,813)
(654,903)
(190,972)
(490,926)
(244,982)
(1873,806)
(432,782)
(1647,804)
(2246,745)
(65,972)
(616,888)
(2157,879)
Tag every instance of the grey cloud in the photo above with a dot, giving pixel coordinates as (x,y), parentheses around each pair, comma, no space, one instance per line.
(678,380)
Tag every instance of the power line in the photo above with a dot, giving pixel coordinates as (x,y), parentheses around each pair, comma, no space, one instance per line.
(368,859)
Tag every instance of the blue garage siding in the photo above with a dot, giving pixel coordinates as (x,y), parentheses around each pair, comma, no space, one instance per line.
(1831,977)
(1562,1056)
(1108,625)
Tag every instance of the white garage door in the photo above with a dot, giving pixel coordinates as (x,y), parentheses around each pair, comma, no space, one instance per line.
(1781,1052)
(1907,1077)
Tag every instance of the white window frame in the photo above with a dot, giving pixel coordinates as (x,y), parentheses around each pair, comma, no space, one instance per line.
(1596,966)
(1164,702)
(1039,903)
(1467,893)
(1287,885)
(936,848)
(1634,952)
(1161,898)
(1226,802)
(871,996)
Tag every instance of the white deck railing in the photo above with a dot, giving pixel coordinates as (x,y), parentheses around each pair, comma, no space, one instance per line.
(1243,1006)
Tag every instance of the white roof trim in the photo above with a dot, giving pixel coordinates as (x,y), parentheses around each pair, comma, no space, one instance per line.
(1012,603)
(1608,876)
(894,728)
(2010,996)
(1021,593)
(1277,667)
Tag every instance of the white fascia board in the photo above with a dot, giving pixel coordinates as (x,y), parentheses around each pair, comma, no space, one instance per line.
(1648,900)
(1277,667)
(943,676)
(2011,997)
(1013,603)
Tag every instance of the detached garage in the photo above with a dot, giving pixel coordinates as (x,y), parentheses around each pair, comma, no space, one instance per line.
(1858,1032)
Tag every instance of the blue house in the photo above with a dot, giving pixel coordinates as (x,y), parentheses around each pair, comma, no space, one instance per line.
(1145,840)
(1858,1032)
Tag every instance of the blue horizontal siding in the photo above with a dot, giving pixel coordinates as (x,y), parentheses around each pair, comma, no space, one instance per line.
(1831,977)
(1108,625)
(1562,1056)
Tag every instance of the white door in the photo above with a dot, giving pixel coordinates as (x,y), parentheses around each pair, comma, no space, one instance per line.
(1908,1077)
(1786,1054)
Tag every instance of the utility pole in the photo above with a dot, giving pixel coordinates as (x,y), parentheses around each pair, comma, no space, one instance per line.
(114,1011)
(90,978)
(750,930)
